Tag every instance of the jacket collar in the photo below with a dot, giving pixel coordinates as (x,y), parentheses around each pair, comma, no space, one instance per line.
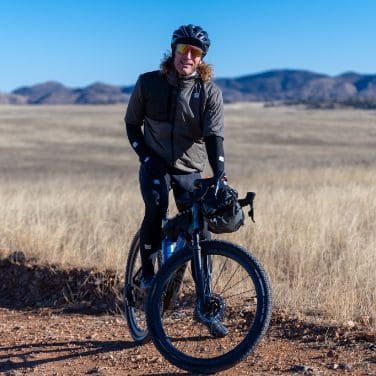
(174,80)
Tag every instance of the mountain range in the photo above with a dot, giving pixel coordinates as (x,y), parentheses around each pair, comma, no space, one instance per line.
(291,86)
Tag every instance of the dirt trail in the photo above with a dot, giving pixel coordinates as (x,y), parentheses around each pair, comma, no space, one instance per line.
(53,322)
(50,342)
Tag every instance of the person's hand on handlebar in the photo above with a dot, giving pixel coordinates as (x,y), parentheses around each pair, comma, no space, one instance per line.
(220,184)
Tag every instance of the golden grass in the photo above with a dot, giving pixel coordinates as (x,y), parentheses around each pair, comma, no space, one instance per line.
(69,194)
(315,233)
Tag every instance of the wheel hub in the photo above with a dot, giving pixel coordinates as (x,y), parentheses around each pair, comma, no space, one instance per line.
(213,310)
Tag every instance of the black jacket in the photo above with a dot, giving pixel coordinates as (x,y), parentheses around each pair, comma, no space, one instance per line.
(177,113)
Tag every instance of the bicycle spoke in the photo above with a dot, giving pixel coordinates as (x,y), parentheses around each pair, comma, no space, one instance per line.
(235,284)
(232,276)
(220,273)
(242,293)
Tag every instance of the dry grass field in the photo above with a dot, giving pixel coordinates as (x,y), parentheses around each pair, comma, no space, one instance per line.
(69,194)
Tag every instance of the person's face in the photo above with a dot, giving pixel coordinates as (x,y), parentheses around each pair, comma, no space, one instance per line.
(187,58)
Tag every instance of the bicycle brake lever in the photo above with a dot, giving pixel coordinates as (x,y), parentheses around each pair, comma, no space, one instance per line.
(251,214)
(248,200)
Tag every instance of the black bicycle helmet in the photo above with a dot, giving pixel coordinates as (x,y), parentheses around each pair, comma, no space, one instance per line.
(222,211)
(193,35)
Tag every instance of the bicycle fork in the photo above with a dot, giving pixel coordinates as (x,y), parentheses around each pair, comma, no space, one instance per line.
(201,272)
(209,308)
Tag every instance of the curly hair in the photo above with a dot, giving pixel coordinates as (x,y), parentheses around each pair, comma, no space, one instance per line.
(204,70)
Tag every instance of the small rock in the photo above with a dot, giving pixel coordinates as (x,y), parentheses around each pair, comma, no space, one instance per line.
(345,366)
(95,371)
(13,373)
(301,368)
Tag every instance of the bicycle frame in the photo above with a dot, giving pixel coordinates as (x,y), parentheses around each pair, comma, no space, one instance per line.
(202,273)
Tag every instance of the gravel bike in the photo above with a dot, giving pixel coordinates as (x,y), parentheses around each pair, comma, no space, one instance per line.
(210,302)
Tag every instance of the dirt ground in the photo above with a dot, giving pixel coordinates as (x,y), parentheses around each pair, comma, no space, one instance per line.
(47,341)
(67,321)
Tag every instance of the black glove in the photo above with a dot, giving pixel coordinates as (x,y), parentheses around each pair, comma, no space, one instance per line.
(155,166)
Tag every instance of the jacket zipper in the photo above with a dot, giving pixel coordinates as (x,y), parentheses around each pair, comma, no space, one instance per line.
(173,125)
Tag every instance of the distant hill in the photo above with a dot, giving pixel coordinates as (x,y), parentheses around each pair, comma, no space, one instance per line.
(6,98)
(55,93)
(296,86)
(291,86)
(47,93)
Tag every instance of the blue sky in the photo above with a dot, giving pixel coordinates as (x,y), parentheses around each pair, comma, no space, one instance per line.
(78,42)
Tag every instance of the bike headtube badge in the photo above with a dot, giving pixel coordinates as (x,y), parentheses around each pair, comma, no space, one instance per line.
(223,212)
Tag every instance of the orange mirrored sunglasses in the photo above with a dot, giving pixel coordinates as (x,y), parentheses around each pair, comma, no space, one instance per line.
(183,49)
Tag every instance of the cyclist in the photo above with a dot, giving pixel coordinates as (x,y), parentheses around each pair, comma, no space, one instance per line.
(181,112)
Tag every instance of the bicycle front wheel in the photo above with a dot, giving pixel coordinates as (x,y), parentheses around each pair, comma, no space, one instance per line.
(239,298)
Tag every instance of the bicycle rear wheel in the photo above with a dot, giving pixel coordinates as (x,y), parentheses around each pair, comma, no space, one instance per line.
(134,299)
(240,298)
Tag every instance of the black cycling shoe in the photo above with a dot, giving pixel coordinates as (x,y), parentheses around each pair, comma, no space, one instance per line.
(214,325)
(216,328)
